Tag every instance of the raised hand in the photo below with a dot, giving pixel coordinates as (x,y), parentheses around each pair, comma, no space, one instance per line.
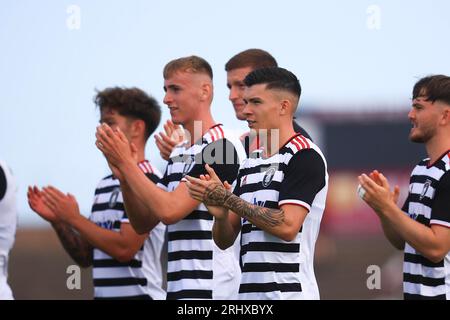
(37,204)
(210,192)
(114,145)
(381,180)
(165,142)
(377,192)
(64,206)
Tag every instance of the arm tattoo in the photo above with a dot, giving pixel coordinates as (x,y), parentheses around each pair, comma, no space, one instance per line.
(217,195)
(78,248)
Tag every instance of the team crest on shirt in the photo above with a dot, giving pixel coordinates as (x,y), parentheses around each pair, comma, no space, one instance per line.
(268,177)
(113,198)
(188,164)
(413,216)
(426,186)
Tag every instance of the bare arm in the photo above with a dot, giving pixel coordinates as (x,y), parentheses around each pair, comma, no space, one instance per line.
(227,224)
(78,248)
(168,207)
(433,243)
(283,223)
(136,210)
(394,238)
(122,245)
(167,140)
(226,230)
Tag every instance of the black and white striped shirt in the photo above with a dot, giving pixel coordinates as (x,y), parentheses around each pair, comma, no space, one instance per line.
(271,267)
(140,278)
(428,202)
(197,268)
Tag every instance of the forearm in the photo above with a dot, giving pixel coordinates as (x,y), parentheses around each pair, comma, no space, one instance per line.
(269,220)
(137,212)
(393,236)
(78,248)
(108,241)
(159,203)
(224,234)
(418,236)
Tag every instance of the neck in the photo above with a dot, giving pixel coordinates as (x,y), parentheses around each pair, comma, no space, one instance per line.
(437,146)
(276,138)
(198,127)
(140,151)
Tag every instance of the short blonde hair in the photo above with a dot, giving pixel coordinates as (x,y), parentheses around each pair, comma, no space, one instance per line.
(192,64)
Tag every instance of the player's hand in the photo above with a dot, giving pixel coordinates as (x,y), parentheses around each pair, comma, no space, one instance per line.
(209,190)
(64,206)
(165,142)
(114,145)
(36,203)
(217,211)
(379,178)
(377,193)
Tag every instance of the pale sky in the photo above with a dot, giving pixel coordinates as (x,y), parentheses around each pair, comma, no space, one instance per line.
(54,54)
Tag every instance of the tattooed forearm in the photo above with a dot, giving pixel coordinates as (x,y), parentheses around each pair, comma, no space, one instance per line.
(78,248)
(217,195)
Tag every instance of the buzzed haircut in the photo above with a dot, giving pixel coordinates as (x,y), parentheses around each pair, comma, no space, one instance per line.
(132,103)
(433,88)
(192,64)
(253,58)
(275,78)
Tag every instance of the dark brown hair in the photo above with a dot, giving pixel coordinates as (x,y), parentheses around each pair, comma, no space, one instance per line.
(433,88)
(275,78)
(253,58)
(133,103)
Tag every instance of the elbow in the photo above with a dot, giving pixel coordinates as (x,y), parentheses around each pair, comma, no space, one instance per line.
(288,235)
(141,228)
(436,255)
(222,245)
(169,218)
(125,255)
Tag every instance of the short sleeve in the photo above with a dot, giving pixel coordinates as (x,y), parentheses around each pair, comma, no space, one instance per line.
(440,213)
(303,179)
(222,156)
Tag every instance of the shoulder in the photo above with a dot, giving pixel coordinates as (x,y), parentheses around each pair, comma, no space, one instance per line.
(220,138)
(302,149)
(107,182)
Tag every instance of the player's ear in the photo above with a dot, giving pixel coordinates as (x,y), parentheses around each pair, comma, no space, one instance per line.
(285,107)
(206,91)
(138,128)
(446,115)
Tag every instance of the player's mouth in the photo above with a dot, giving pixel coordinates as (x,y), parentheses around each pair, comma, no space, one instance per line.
(251,124)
